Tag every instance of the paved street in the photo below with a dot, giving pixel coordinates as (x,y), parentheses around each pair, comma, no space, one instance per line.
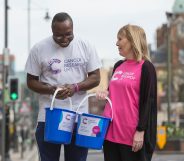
(99,157)
(28,155)
(170,157)
(96,155)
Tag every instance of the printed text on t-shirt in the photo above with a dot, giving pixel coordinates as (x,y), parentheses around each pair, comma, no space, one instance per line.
(119,75)
(72,63)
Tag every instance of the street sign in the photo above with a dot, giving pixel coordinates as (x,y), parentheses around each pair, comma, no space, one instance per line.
(161,136)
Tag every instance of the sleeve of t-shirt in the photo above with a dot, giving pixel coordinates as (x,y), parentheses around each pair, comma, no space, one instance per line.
(94,61)
(33,66)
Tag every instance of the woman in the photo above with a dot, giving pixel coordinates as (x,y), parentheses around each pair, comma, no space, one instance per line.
(133,91)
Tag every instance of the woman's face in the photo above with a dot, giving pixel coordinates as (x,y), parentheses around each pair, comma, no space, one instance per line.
(124,46)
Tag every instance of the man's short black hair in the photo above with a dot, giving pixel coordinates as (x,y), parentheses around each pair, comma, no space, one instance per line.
(61,17)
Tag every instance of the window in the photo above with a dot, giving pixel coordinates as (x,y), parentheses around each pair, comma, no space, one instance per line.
(180,29)
(181,56)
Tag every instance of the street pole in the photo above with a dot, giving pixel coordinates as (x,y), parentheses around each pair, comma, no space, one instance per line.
(169,75)
(4,80)
(47,17)
(6,24)
(15,137)
(29,25)
(3,85)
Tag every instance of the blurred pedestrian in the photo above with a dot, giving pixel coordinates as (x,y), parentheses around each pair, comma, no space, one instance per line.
(133,92)
(61,60)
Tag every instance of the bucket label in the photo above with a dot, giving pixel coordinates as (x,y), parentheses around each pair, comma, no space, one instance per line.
(67,121)
(90,126)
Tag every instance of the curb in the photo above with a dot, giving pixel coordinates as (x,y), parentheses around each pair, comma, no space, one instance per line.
(93,151)
(169,152)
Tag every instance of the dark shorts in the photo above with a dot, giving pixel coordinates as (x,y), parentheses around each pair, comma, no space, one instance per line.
(51,152)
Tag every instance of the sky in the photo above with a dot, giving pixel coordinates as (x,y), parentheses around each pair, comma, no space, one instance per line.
(97,21)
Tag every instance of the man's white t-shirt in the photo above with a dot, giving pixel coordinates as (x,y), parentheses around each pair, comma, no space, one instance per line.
(58,66)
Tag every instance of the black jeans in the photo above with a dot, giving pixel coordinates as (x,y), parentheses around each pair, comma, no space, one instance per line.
(119,152)
(51,152)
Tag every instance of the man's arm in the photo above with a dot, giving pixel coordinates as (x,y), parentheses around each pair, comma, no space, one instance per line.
(90,82)
(35,85)
(68,90)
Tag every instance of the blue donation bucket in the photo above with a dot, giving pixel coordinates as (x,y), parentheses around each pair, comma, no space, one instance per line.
(59,123)
(92,129)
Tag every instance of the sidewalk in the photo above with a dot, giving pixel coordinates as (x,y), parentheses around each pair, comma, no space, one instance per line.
(28,155)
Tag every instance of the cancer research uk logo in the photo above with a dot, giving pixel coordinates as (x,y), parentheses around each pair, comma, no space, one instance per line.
(71,63)
(68,117)
(119,75)
(54,66)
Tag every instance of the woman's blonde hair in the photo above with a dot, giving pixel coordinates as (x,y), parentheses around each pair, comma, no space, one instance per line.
(137,38)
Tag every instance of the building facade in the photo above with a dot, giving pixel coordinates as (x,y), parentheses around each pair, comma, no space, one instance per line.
(169,60)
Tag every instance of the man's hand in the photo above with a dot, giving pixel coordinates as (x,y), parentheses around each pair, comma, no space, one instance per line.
(66,91)
(71,89)
(138,141)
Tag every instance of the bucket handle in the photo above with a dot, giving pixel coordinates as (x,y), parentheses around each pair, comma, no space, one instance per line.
(53,98)
(94,94)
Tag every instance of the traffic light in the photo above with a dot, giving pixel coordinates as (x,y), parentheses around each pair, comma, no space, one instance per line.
(14,88)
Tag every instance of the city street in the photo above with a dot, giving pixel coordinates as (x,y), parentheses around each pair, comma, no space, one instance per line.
(113,68)
(160,157)
(97,155)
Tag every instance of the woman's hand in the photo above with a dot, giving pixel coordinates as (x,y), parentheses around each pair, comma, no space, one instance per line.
(102,94)
(138,141)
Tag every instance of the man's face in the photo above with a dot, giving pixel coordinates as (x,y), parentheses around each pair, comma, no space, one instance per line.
(63,33)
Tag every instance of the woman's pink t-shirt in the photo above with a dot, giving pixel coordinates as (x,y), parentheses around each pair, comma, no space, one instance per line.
(124,88)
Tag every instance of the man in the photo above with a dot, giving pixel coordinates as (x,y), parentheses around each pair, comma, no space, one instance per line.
(61,60)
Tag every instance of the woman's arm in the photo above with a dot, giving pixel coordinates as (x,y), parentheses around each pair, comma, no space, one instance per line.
(147,94)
